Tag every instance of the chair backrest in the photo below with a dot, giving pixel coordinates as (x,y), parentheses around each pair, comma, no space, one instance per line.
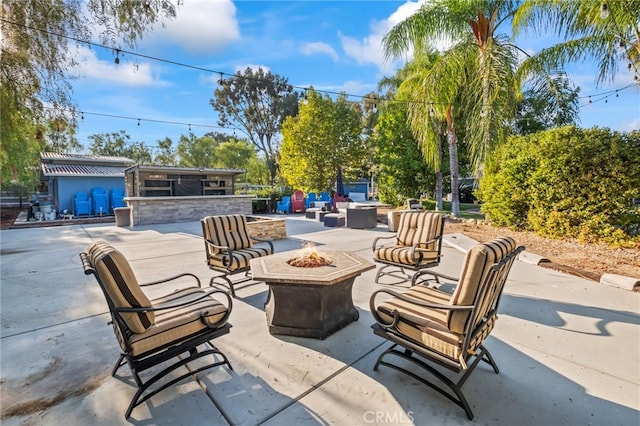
(119,285)
(298,195)
(325,196)
(82,196)
(311,196)
(484,273)
(226,230)
(98,190)
(416,227)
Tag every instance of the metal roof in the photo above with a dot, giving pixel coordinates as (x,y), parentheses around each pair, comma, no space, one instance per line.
(81,170)
(85,159)
(172,169)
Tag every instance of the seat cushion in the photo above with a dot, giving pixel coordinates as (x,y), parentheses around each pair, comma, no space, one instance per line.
(402,255)
(426,326)
(239,258)
(228,230)
(115,275)
(416,227)
(175,325)
(475,268)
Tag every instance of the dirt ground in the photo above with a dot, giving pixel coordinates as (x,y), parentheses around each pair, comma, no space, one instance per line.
(587,260)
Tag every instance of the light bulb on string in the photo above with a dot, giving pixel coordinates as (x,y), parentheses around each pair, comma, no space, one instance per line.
(138,122)
(604,11)
(117,60)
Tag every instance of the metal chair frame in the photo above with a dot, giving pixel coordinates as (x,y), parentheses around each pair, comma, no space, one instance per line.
(423,356)
(142,362)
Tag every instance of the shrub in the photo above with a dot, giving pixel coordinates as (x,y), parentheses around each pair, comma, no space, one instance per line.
(567,182)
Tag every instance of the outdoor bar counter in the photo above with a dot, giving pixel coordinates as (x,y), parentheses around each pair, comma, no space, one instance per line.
(170,209)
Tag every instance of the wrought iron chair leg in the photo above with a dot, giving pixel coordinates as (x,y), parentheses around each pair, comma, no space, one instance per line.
(455,387)
(229,284)
(119,364)
(139,396)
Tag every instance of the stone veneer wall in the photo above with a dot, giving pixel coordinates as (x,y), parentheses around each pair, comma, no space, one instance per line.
(155,210)
(271,229)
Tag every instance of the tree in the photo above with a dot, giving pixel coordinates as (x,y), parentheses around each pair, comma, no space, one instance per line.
(166,155)
(197,152)
(36,54)
(118,144)
(536,113)
(604,30)
(325,135)
(402,167)
(476,77)
(256,103)
(234,154)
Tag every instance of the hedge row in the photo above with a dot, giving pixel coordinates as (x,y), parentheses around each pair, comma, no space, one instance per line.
(567,182)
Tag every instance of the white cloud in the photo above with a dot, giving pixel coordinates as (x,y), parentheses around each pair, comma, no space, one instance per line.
(319,47)
(127,73)
(254,67)
(369,50)
(632,125)
(201,26)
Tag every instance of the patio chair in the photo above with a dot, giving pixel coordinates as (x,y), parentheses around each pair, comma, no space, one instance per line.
(81,204)
(311,198)
(99,201)
(117,199)
(173,330)
(416,245)
(229,248)
(297,201)
(430,327)
(284,205)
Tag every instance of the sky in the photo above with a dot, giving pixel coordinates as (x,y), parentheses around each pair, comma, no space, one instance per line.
(330,45)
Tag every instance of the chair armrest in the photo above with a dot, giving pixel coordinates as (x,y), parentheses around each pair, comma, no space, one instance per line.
(178,305)
(408,299)
(175,277)
(264,240)
(221,248)
(425,243)
(373,245)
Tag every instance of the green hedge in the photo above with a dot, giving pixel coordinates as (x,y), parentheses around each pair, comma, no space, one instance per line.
(567,182)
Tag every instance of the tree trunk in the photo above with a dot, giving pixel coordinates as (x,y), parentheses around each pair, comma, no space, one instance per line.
(439,190)
(452,140)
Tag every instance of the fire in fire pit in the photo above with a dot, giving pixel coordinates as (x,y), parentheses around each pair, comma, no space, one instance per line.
(310,258)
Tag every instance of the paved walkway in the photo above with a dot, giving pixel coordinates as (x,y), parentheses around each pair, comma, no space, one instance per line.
(568,348)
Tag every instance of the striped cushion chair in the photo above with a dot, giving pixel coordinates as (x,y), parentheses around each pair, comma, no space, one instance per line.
(229,247)
(154,331)
(416,246)
(448,329)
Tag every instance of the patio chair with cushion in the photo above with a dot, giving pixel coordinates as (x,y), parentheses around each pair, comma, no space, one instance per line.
(416,245)
(229,248)
(172,330)
(430,327)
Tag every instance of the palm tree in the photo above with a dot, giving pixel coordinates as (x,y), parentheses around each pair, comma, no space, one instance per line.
(475,77)
(404,87)
(605,30)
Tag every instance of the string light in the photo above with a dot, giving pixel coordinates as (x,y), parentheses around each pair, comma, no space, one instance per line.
(604,11)
(604,14)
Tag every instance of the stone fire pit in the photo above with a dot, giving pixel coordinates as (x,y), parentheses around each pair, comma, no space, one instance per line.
(309,301)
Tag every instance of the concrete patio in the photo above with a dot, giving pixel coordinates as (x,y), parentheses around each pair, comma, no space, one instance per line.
(568,348)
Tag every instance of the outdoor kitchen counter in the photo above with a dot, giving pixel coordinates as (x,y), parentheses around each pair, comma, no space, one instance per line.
(309,302)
